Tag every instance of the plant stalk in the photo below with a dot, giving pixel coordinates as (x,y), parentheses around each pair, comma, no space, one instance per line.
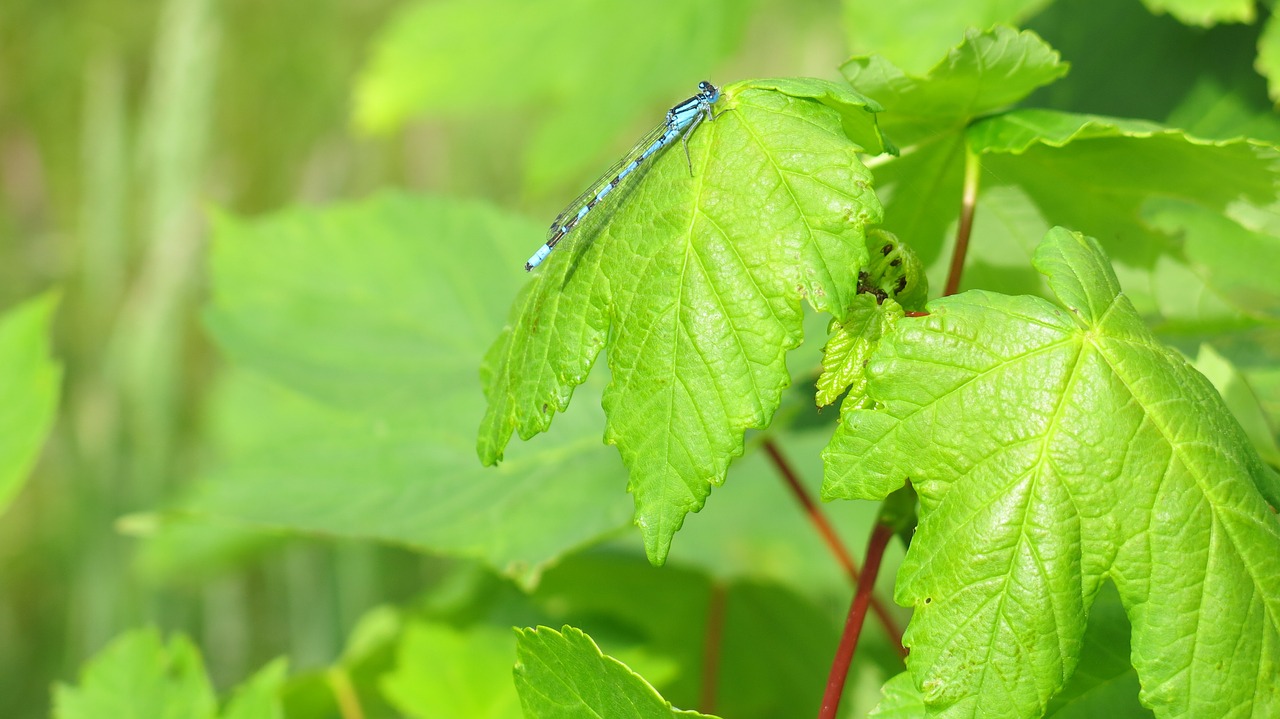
(344,692)
(880,537)
(832,540)
(968,203)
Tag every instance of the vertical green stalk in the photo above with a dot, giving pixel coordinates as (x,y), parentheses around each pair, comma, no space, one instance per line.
(126,412)
(968,204)
(104,256)
(146,353)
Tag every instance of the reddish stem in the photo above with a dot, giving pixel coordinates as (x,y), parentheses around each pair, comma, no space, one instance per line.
(832,540)
(968,204)
(880,537)
(711,649)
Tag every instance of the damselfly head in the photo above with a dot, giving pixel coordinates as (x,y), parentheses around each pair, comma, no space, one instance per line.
(709,91)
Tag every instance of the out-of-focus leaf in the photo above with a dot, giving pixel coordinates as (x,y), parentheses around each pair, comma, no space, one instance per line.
(179,549)
(1204,12)
(1165,74)
(446,672)
(259,696)
(598,65)
(370,320)
(1115,178)
(990,406)
(368,657)
(926,117)
(1238,266)
(1218,109)
(564,675)
(989,71)
(1244,405)
(1268,62)
(1039,167)
(913,33)
(1008,225)
(773,643)
(138,675)
(761,532)
(29,382)
(695,286)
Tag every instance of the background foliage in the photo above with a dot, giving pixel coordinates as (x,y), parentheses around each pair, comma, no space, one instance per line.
(258,493)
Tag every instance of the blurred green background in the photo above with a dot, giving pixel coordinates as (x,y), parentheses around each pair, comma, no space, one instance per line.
(125,124)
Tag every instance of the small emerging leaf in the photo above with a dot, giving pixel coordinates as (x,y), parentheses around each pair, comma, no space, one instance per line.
(893,279)
(848,349)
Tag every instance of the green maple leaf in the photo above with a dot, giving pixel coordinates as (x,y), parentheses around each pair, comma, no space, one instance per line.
(1055,446)
(850,342)
(695,285)
(564,674)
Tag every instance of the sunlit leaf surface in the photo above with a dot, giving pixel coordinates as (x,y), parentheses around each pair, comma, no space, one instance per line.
(1054,446)
(695,287)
